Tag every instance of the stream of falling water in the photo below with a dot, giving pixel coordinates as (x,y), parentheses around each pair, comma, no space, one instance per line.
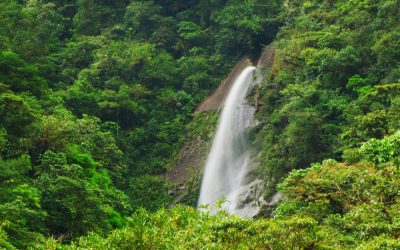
(229,159)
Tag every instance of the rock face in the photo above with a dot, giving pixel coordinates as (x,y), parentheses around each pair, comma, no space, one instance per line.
(251,199)
(267,210)
(190,158)
(267,58)
(217,99)
(187,168)
(253,202)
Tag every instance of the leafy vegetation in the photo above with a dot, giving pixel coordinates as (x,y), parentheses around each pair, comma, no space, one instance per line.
(330,89)
(330,205)
(95,97)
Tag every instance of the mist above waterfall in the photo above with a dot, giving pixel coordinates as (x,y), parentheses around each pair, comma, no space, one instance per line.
(229,159)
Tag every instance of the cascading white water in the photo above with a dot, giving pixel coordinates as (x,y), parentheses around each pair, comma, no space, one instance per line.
(229,159)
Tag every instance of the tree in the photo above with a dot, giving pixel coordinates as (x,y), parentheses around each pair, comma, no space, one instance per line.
(21,215)
(93,16)
(77,196)
(19,75)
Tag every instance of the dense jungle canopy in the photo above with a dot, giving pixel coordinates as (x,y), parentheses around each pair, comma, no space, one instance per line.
(98,96)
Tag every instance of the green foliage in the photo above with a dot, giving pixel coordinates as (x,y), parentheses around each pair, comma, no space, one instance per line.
(4,243)
(185,228)
(326,206)
(17,115)
(141,18)
(77,197)
(86,20)
(382,151)
(95,97)
(333,85)
(19,75)
(149,192)
(358,203)
(190,31)
(21,217)
(241,24)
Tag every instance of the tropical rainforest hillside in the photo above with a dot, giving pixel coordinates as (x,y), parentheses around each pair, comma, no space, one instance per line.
(97,97)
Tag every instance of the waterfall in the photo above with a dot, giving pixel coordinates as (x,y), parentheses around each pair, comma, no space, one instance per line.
(229,159)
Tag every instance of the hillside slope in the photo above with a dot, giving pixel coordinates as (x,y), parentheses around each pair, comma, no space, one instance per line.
(95,97)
